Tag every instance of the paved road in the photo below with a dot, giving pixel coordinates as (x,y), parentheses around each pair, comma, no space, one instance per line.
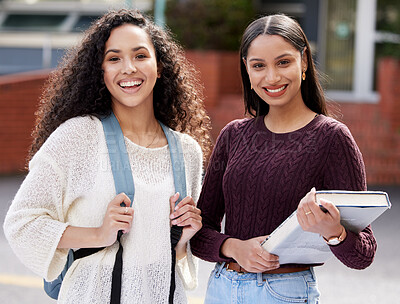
(378,284)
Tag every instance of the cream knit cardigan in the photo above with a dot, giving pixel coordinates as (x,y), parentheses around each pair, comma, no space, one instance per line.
(70,183)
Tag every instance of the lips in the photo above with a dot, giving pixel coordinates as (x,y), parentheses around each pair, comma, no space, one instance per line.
(275,91)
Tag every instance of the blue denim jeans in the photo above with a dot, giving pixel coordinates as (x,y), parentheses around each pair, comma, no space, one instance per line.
(229,287)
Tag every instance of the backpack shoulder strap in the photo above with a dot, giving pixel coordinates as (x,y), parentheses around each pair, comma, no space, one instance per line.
(123,180)
(119,159)
(178,170)
(178,163)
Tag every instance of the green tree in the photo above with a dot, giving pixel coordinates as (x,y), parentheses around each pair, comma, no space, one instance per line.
(388,20)
(209,24)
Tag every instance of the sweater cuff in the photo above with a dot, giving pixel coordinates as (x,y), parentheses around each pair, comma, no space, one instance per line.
(220,241)
(346,246)
(187,269)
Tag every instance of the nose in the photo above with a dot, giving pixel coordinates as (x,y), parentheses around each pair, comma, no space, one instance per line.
(128,67)
(272,76)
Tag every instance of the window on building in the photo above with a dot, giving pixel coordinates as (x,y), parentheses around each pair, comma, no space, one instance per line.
(340,35)
(33,22)
(388,31)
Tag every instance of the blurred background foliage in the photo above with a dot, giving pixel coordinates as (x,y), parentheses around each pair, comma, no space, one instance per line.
(388,20)
(209,24)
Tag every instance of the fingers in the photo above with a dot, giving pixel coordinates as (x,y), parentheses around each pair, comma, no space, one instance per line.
(308,210)
(267,259)
(314,219)
(261,260)
(121,205)
(119,214)
(172,201)
(188,215)
(188,218)
(185,201)
(252,257)
(330,207)
(184,210)
(121,200)
(125,211)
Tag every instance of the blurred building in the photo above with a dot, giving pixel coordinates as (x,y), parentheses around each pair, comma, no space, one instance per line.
(343,35)
(35,33)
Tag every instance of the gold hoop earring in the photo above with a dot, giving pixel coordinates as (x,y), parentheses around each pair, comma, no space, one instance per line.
(303,76)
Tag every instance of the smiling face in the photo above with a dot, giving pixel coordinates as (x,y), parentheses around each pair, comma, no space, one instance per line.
(275,67)
(130,67)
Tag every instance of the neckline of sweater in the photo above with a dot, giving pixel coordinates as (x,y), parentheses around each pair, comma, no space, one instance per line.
(139,147)
(260,126)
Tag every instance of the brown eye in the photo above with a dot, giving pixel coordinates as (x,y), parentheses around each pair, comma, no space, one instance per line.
(284,62)
(257,65)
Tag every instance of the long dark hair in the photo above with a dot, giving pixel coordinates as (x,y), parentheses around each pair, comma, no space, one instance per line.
(76,87)
(290,30)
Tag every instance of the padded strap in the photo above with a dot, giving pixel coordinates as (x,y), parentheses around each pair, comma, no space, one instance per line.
(178,163)
(178,170)
(119,158)
(123,180)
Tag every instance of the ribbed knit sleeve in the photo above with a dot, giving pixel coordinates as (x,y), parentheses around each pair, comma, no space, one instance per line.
(37,216)
(34,224)
(344,169)
(207,242)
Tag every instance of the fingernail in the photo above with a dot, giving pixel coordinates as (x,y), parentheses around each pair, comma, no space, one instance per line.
(176,207)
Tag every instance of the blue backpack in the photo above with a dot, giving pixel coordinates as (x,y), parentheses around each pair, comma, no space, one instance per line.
(123,181)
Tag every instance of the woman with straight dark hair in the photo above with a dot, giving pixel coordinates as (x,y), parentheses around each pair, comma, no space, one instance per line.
(262,170)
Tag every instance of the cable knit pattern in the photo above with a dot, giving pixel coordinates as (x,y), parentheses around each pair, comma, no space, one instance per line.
(70,183)
(257,178)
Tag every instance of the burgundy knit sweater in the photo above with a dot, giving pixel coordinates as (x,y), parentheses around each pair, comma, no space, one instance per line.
(257,178)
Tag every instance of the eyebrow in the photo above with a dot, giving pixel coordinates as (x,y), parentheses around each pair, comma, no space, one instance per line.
(133,49)
(276,58)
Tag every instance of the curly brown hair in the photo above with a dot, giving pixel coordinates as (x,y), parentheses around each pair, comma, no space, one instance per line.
(76,87)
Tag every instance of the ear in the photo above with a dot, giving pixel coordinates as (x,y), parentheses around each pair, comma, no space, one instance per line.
(304,60)
(245,64)
(159,69)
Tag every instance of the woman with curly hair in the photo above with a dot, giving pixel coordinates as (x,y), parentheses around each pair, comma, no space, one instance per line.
(128,66)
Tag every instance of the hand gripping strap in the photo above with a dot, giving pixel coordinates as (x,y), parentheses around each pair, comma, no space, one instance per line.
(124,183)
(178,170)
(123,180)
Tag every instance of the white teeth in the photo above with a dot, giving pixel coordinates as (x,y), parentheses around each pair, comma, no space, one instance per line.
(277,90)
(130,83)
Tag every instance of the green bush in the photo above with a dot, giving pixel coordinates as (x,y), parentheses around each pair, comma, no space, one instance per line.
(388,20)
(209,24)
